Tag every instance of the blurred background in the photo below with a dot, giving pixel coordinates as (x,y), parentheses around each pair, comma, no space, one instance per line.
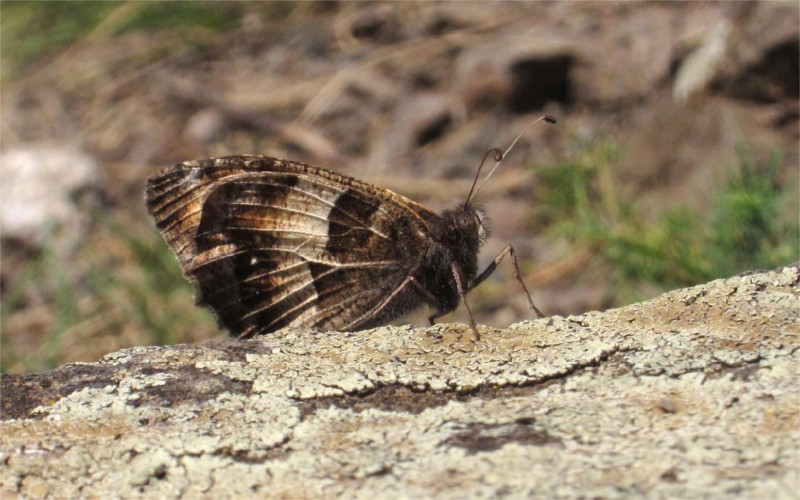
(674,162)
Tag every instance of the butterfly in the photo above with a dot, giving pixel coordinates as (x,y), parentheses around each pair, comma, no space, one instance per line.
(271,243)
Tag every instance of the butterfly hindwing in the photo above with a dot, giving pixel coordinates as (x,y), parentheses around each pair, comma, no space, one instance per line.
(270,243)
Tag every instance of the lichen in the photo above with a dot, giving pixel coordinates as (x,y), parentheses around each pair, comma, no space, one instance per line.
(692,394)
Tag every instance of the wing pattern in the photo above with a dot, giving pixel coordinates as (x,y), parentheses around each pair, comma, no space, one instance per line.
(270,243)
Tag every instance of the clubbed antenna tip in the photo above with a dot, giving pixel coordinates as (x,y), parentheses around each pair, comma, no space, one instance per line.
(498,157)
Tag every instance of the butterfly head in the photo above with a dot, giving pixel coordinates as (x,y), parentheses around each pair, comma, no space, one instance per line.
(469,224)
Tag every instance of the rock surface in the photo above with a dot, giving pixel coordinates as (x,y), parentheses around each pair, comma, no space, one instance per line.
(39,190)
(693,394)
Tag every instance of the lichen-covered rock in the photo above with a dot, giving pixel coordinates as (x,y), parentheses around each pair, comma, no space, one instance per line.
(694,394)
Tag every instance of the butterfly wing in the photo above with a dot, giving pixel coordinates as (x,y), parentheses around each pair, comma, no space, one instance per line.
(271,243)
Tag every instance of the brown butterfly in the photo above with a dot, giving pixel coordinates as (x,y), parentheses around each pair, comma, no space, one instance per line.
(271,243)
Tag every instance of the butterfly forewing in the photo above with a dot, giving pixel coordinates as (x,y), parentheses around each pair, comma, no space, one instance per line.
(270,243)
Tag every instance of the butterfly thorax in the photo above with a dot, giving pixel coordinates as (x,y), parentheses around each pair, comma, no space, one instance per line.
(457,236)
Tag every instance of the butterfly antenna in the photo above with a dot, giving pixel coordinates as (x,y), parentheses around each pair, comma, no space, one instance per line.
(499,157)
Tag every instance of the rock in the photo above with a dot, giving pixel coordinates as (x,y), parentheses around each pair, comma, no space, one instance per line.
(525,76)
(377,23)
(423,119)
(751,54)
(692,394)
(206,126)
(703,64)
(38,192)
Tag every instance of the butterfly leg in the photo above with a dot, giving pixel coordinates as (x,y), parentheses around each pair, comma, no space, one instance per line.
(400,288)
(462,293)
(491,267)
(432,300)
(409,280)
